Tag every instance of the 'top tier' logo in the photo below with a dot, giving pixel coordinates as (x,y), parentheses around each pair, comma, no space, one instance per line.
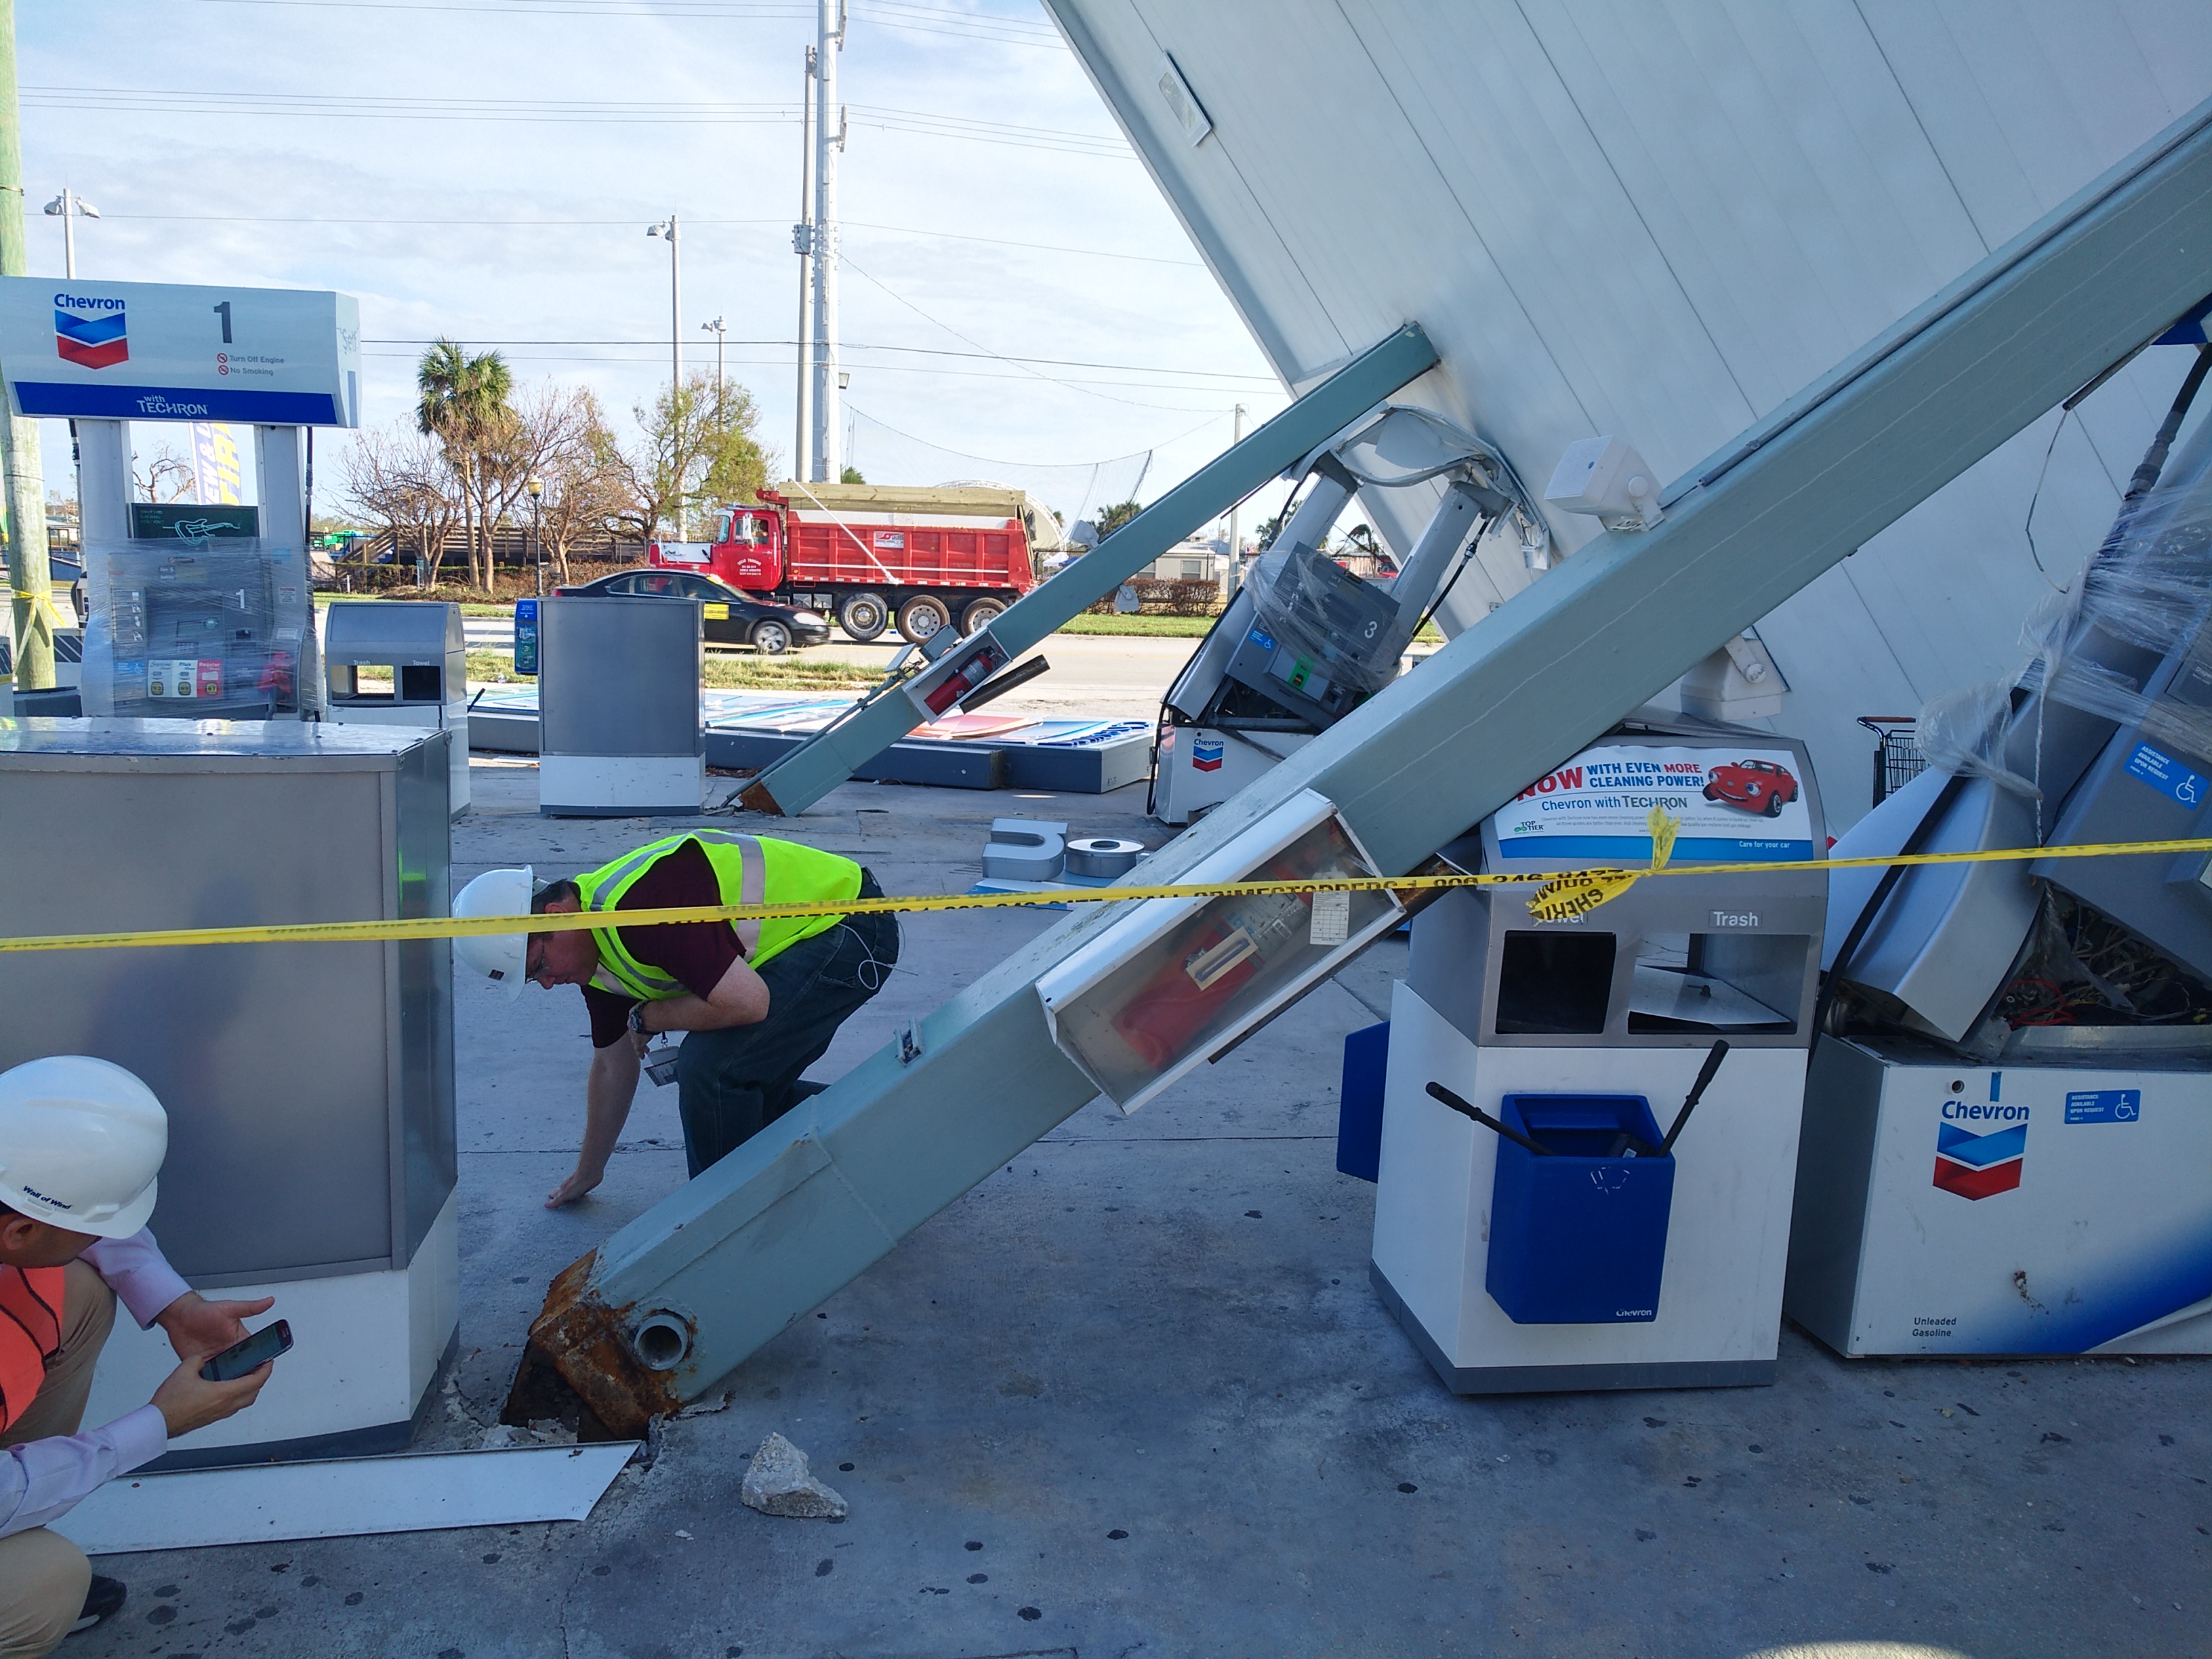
(89,332)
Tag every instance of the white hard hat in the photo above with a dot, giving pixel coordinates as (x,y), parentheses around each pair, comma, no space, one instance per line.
(500,957)
(80,1141)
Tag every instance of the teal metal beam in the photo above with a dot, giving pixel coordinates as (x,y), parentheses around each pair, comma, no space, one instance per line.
(800,1210)
(831,756)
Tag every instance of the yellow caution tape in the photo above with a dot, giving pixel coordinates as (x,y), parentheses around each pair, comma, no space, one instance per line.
(1578,895)
(1582,892)
(1615,881)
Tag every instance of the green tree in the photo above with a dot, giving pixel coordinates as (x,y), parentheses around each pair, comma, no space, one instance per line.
(1113,518)
(851,475)
(701,449)
(462,403)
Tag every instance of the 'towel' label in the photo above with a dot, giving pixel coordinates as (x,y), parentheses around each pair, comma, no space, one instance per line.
(1744,805)
(162,351)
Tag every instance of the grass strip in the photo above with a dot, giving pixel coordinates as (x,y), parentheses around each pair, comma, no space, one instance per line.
(729,673)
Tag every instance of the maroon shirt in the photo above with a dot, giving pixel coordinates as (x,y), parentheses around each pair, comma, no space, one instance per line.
(696,954)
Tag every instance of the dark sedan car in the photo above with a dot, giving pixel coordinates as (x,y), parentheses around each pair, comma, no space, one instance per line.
(732,618)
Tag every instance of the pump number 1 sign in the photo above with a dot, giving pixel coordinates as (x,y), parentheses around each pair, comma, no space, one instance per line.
(164,351)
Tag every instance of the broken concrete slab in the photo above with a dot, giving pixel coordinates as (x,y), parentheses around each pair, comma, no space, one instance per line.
(780,1483)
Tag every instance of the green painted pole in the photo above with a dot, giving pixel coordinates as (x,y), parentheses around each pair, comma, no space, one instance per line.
(26,493)
(827,759)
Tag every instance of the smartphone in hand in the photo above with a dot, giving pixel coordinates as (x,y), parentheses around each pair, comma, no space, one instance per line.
(249,1355)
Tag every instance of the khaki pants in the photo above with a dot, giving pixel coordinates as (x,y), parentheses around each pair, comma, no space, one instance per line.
(44,1577)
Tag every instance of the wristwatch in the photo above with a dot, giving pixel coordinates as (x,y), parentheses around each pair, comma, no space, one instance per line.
(637,1018)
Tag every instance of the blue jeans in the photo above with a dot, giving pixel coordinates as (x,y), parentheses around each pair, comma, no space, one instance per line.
(733,1082)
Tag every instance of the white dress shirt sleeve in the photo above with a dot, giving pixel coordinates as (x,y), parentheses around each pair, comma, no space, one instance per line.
(42,1480)
(138,1273)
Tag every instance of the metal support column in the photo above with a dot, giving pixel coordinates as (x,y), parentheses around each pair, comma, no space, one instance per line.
(724,1263)
(826,760)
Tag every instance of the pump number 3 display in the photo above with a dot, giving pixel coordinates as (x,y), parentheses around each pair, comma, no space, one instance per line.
(1734,803)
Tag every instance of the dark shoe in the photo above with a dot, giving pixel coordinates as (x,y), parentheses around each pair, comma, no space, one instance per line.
(103,1600)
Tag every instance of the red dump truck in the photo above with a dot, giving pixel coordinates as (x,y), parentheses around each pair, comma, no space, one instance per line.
(873,555)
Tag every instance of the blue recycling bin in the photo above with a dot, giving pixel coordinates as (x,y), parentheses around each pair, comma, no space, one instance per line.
(1579,1237)
(1359,1107)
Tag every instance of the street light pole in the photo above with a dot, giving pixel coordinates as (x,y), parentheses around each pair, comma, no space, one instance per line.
(667,227)
(1235,565)
(71,206)
(722,333)
(536,486)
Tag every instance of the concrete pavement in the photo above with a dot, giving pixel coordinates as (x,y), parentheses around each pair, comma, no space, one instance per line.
(1134,1394)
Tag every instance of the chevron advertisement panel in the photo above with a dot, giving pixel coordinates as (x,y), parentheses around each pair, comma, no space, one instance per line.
(159,351)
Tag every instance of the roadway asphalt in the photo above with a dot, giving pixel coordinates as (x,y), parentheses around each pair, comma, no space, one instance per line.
(1094,676)
(1133,1395)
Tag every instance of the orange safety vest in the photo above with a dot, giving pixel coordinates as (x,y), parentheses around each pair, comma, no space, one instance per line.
(30,1334)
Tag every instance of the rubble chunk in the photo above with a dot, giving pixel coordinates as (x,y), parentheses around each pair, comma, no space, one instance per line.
(779,1482)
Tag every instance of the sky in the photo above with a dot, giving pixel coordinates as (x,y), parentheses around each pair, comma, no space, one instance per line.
(486,169)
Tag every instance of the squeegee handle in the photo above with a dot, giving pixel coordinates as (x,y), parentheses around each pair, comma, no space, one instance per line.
(1440,1092)
(1713,1060)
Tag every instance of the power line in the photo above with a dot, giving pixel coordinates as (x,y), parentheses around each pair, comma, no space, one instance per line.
(495,224)
(925,20)
(926,351)
(1041,466)
(571,112)
(660,359)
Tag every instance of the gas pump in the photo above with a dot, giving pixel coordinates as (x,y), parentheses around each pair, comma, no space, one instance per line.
(196,623)
(1305,641)
(1590,1123)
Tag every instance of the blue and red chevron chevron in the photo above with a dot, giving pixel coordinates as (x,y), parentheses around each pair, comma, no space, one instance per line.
(96,342)
(1978,1166)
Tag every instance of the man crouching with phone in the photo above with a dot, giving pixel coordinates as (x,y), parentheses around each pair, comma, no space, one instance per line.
(80,1142)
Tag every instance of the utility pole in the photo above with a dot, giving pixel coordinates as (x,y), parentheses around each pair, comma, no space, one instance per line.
(828,143)
(802,243)
(33,609)
(722,333)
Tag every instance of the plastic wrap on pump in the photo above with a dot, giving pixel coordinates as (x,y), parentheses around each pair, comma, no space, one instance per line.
(212,628)
(1320,613)
(2150,587)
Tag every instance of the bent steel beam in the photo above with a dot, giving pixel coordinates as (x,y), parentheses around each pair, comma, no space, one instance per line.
(801,1209)
(827,759)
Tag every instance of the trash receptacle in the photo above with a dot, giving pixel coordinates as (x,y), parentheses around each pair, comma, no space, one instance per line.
(1578,1237)
(402,663)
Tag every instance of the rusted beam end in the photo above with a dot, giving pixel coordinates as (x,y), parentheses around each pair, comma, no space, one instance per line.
(757,798)
(580,1351)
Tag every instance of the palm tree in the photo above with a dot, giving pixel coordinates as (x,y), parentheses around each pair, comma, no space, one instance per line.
(463,403)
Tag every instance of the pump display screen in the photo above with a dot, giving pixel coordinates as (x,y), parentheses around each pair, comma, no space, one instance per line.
(1743,805)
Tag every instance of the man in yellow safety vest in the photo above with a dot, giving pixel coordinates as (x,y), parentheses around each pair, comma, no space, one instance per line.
(758,1001)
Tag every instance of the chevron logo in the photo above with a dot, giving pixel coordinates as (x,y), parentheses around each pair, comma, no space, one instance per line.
(1979,1166)
(97,341)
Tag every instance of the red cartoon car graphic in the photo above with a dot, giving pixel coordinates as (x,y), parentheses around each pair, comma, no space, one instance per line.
(1755,786)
